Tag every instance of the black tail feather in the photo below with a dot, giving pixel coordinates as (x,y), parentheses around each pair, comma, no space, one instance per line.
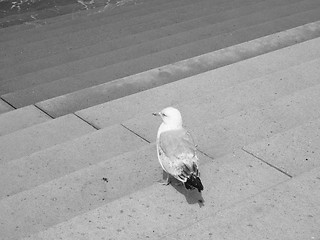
(194,182)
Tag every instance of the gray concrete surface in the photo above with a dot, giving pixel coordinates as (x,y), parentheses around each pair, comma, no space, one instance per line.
(218,79)
(247,125)
(168,41)
(95,95)
(200,18)
(294,152)
(41,136)
(4,107)
(288,211)
(66,85)
(85,190)
(57,72)
(86,34)
(63,198)
(156,211)
(67,157)
(64,179)
(21,118)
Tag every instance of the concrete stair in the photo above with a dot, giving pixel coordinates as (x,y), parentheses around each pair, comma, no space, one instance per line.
(5,107)
(201,18)
(21,118)
(77,151)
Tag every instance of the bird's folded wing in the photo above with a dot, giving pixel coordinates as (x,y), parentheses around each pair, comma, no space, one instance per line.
(178,153)
(177,143)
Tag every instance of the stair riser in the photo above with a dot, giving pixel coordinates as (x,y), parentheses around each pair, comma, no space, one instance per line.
(215,16)
(63,86)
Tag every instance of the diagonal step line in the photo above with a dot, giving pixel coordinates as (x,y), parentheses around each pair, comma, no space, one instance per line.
(8,103)
(130,130)
(144,15)
(195,19)
(43,111)
(89,123)
(269,164)
(55,81)
(165,37)
(232,205)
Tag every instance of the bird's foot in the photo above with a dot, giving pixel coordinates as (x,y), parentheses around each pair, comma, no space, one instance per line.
(165,183)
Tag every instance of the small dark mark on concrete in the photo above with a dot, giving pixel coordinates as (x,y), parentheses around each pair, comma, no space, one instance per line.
(105,179)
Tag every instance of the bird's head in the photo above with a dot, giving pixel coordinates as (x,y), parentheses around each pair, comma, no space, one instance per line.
(171,117)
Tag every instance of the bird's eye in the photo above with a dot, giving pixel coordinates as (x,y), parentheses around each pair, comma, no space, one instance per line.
(164,115)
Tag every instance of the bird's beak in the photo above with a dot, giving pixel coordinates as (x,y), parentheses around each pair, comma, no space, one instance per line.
(156,114)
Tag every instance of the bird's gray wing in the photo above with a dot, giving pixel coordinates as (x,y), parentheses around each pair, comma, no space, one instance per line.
(178,153)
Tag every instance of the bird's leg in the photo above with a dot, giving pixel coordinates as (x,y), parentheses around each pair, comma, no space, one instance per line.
(167,180)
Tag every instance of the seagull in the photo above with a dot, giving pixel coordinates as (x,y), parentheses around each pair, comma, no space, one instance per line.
(176,150)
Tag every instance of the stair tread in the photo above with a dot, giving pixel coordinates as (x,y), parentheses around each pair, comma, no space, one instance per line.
(262,90)
(215,138)
(69,157)
(165,95)
(21,118)
(294,202)
(205,17)
(80,81)
(242,126)
(35,138)
(135,214)
(4,107)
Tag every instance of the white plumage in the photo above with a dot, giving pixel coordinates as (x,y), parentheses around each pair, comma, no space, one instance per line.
(176,150)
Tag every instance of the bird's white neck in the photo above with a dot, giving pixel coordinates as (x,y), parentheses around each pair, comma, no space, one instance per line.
(164,127)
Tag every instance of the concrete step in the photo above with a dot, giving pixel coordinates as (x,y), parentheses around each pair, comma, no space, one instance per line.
(83,190)
(37,137)
(109,32)
(91,20)
(294,203)
(242,173)
(227,76)
(77,82)
(92,96)
(262,90)
(227,129)
(200,18)
(239,168)
(87,186)
(220,24)
(158,210)
(294,152)
(246,174)
(91,35)
(21,118)
(5,107)
(66,158)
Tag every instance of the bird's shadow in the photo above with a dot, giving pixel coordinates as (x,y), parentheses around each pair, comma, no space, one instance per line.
(192,196)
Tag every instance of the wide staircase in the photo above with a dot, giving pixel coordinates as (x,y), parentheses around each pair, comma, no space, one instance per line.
(77,137)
